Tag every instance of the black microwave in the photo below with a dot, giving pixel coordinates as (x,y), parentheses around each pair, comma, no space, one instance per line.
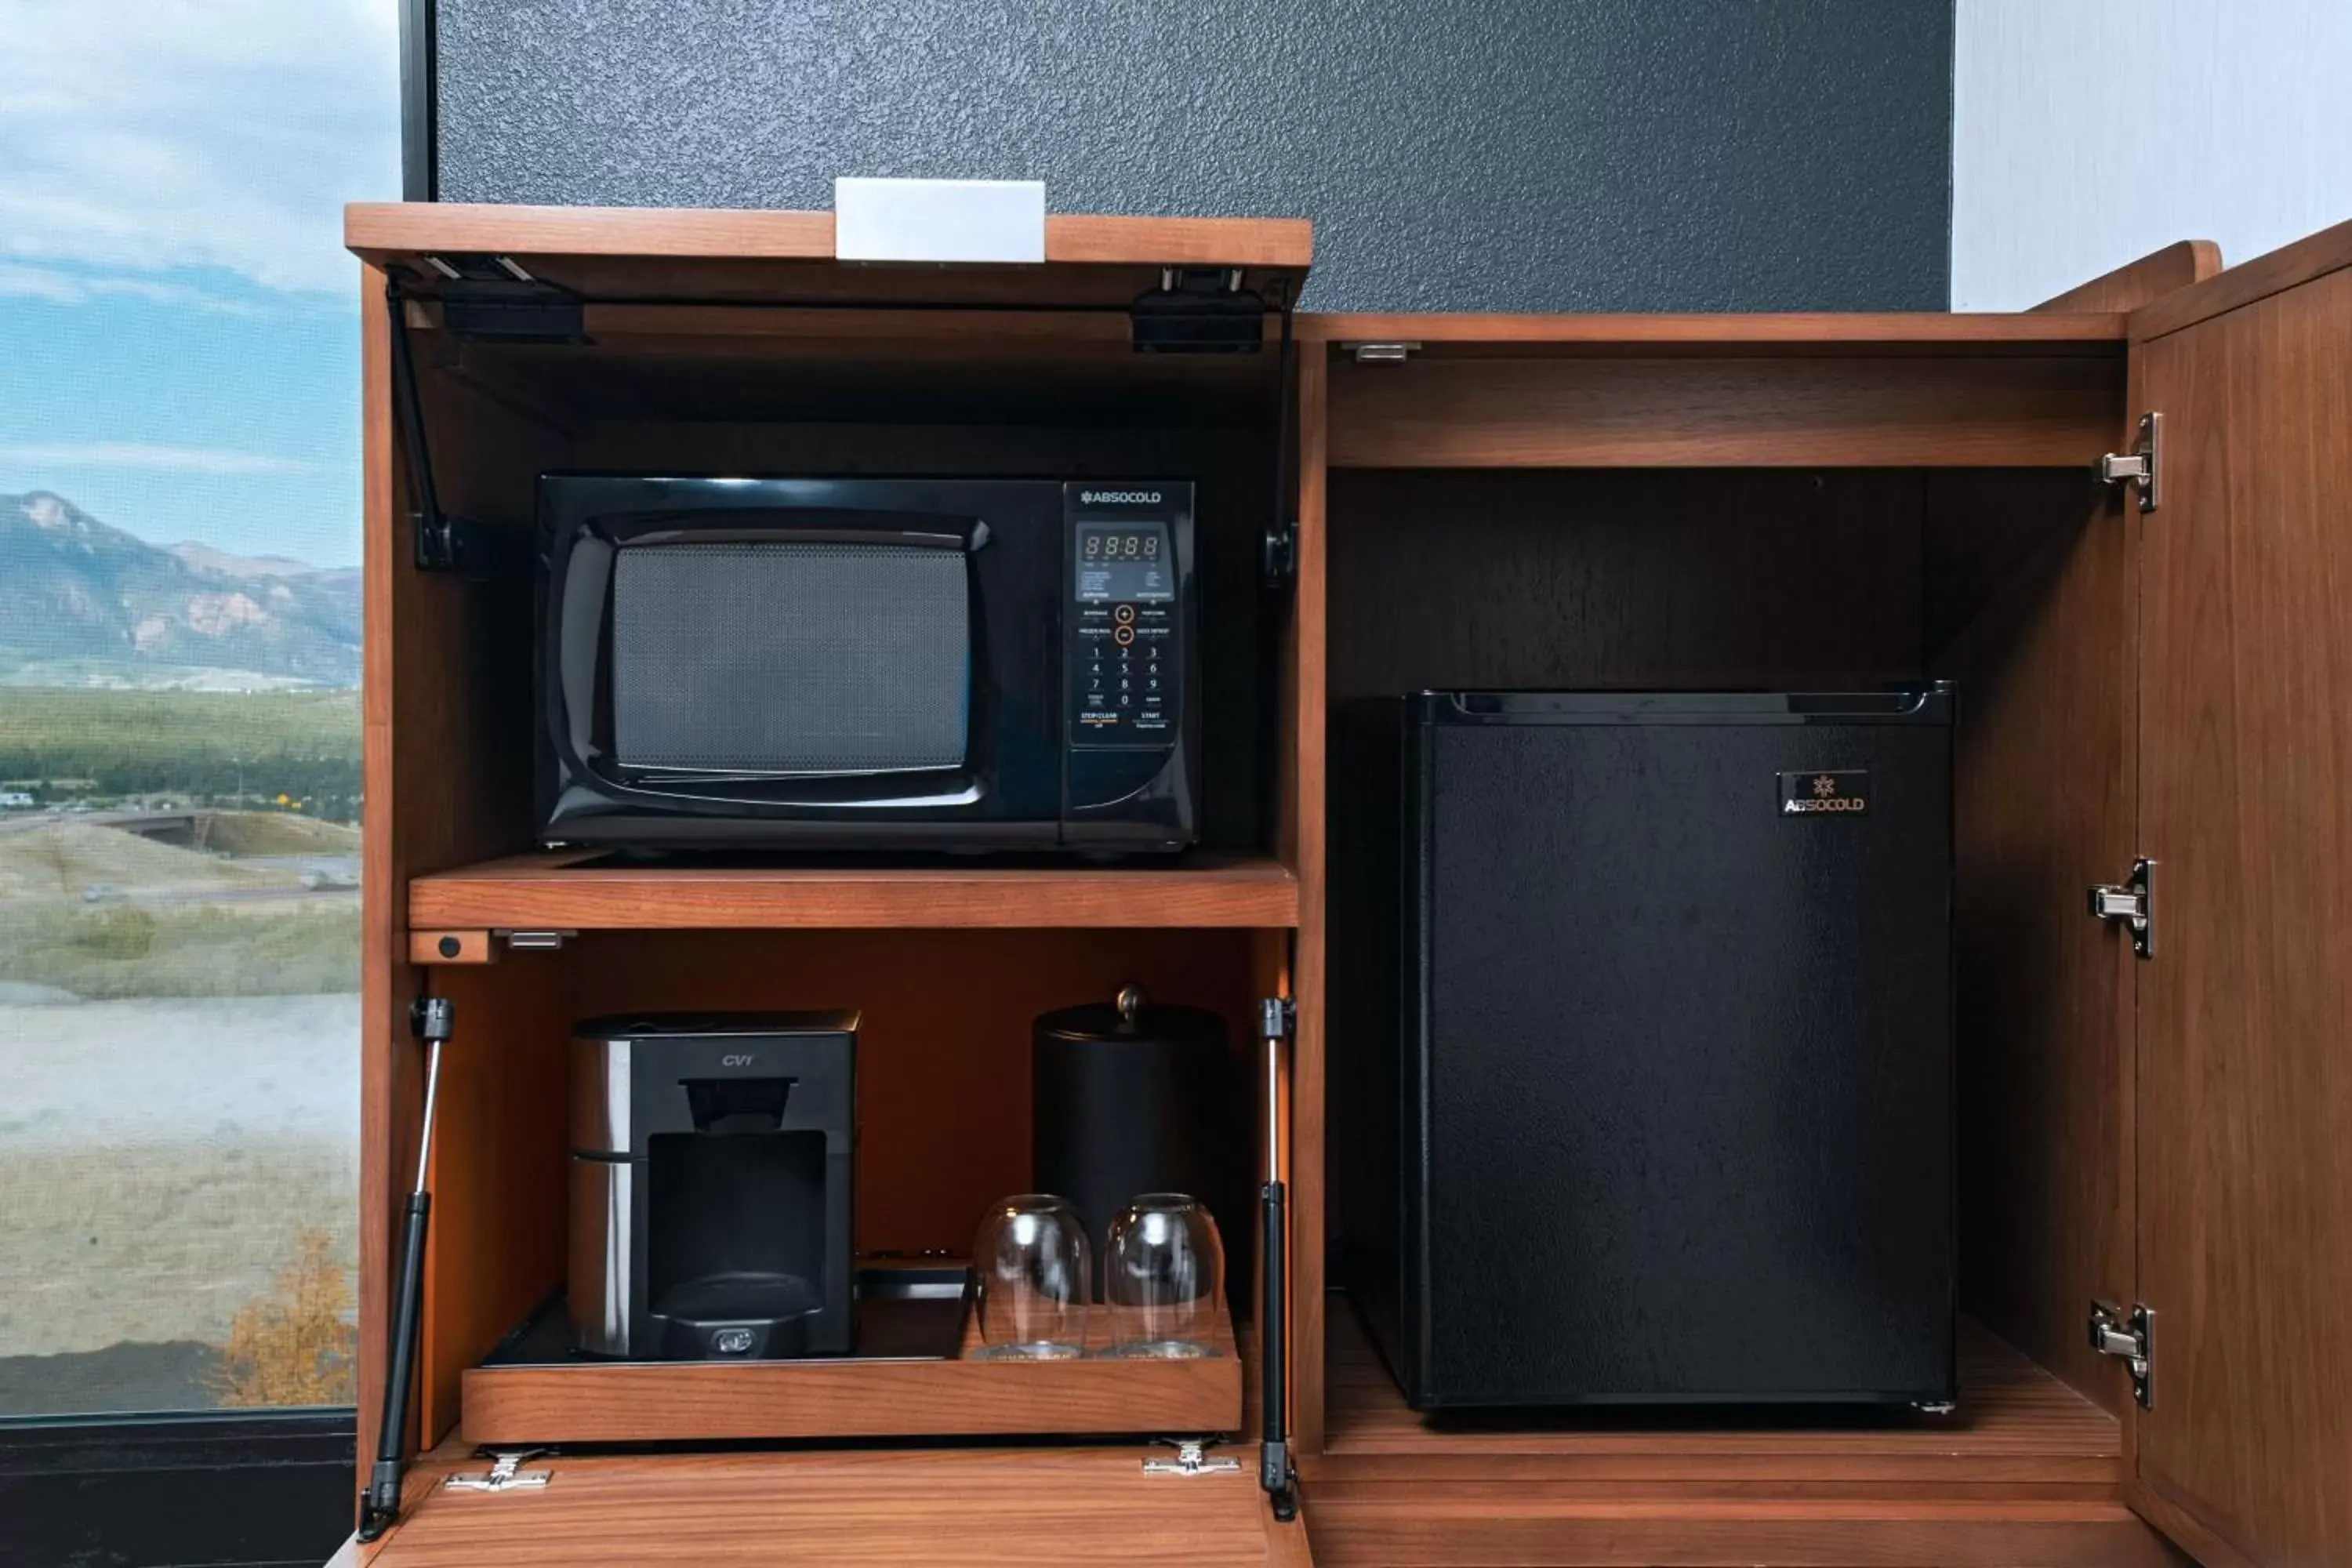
(867,664)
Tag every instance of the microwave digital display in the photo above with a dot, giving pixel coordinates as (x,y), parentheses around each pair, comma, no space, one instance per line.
(1125,564)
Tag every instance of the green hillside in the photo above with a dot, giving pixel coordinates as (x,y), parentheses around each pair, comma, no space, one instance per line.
(301,744)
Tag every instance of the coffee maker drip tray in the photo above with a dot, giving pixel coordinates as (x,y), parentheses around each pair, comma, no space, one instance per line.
(735,1317)
(905,1311)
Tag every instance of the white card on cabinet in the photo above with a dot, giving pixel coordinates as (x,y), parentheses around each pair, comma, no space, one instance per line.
(938,220)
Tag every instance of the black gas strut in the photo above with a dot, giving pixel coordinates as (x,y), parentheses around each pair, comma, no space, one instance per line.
(380,1502)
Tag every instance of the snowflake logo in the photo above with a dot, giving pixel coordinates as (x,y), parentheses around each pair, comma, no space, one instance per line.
(1824,786)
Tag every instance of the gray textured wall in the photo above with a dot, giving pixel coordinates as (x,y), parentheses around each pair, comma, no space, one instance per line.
(1511,155)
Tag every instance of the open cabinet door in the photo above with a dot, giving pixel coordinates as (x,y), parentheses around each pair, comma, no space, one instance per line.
(989,1508)
(2244,1140)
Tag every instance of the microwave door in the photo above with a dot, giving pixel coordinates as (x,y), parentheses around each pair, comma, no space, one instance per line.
(818,678)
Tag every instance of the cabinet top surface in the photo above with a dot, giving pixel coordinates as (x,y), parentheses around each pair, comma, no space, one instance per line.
(753,255)
(746,255)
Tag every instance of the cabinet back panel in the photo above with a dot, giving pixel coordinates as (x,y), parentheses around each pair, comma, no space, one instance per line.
(2043,803)
(1623,578)
(1613,412)
(2015,583)
(942,1082)
(943,1050)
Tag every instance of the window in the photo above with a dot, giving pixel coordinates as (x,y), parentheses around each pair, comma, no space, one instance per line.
(178,718)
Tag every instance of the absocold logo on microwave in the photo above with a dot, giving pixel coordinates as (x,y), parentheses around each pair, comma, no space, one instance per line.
(1831,792)
(1119,498)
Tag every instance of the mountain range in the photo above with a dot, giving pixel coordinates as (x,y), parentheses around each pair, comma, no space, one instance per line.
(84,603)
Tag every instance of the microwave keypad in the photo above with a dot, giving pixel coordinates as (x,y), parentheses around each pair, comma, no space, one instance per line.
(1125,686)
(1126,655)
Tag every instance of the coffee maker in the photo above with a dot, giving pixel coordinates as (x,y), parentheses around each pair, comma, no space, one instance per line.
(711,1161)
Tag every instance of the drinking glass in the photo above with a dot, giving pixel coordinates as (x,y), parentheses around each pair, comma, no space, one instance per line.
(1033,1265)
(1164,1277)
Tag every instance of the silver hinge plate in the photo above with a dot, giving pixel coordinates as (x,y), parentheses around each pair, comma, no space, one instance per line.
(1192,1459)
(2131,903)
(536,941)
(505,1473)
(2142,466)
(2129,1338)
(1380,353)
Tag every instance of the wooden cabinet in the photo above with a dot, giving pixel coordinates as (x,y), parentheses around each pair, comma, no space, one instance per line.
(2244,1139)
(1569,501)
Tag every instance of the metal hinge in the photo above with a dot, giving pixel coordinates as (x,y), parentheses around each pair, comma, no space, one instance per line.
(1278,562)
(505,1473)
(1192,1459)
(2138,467)
(2131,903)
(1381,353)
(1276,1015)
(485,296)
(536,941)
(2129,1338)
(1198,309)
(440,541)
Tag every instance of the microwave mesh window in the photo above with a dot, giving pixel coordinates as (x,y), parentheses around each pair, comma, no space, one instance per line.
(790,658)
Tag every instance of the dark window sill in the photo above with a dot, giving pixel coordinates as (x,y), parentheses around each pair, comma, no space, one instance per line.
(256,1491)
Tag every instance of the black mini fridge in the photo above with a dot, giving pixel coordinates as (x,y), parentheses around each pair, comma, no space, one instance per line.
(1641,1051)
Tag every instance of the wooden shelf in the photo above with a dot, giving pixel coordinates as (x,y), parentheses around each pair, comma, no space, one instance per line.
(1909,334)
(978,1507)
(553,890)
(659,1402)
(2026,1470)
(2015,1422)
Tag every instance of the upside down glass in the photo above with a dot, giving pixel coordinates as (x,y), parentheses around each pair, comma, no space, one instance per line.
(1033,1269)
(1164,1278)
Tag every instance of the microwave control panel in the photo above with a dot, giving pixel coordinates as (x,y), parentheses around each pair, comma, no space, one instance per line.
(1126,638)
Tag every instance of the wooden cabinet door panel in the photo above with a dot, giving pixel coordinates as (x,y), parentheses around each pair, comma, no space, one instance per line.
(2244,1143)
(987,1508)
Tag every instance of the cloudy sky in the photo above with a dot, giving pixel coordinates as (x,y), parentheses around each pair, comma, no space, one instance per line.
(178,319)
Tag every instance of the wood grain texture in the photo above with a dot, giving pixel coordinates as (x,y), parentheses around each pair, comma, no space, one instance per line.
(1909,332)
(943,1083)
(1803,412)
(1488,1526)
(550,890)
(500,1171)
(2015,1423)
(445,682)
(2026,1471)
(1306,750)
(707,1401)
(984,1508)
(2043,807)
(2245,1084)
(674,255)
(2311,257)
(1584,579)
(2136,283)
(450,946)
(388,1076)
(379,230)
(944,1044)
